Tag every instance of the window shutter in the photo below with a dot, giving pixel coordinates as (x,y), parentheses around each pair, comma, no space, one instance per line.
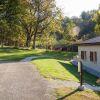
(85,55)
(82,54)
(95,56)
(91,56)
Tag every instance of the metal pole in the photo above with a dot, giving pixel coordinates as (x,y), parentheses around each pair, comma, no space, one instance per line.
(81,75)
(81,78)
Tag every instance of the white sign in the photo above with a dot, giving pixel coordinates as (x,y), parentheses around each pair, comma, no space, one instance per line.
(79,66)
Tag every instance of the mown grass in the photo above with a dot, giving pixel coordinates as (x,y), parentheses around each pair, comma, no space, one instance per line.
(66,93)
(55,68)
(52,68)
(11,54)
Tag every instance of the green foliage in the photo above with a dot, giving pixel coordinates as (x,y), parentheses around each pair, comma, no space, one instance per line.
(97,21)
(25,22)
(28,19)
(70,30)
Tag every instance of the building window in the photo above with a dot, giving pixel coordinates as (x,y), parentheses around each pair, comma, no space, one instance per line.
(93,57)
(83,55)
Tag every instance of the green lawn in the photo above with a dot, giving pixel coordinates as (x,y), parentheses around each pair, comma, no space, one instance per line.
(66,93)
(55,68)
(17,54)
(11,54)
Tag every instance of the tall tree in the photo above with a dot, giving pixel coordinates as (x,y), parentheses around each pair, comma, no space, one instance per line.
(69,28)
(97,21)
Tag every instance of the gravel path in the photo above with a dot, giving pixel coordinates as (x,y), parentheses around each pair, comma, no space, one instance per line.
(72,84)
(21,81)
(33,57)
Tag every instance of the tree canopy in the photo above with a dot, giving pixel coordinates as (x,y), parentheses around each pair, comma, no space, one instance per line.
(30,23)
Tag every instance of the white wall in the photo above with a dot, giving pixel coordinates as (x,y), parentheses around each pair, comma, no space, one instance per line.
(87,62)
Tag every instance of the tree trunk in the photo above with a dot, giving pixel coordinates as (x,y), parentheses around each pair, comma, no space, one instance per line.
(2,44)
(16,44)
(34,38)
(34,41)
(28,40)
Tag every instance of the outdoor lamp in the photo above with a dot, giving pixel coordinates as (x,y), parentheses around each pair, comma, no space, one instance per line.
(80,70)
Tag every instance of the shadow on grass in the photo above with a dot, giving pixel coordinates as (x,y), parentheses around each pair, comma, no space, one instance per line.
(67,95)
(72,69)
(60,55)
(9,53)
(97,92)
(87,77)
(15,57)
(12,50)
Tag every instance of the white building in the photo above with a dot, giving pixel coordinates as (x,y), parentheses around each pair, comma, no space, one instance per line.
(89,54)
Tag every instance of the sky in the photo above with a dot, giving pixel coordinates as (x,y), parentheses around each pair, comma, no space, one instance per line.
(75,7)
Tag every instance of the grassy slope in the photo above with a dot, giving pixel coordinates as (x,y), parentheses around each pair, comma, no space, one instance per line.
(61,69)
(52,68)
(66,93)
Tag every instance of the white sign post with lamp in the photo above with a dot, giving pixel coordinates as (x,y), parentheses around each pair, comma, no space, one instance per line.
(80,70)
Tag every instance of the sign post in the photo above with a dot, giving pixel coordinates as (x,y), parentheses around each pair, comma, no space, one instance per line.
(80,70)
